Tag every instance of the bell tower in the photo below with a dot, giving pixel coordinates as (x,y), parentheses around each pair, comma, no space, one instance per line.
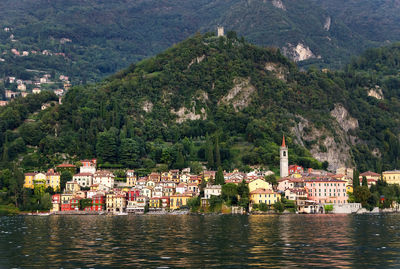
(284,157)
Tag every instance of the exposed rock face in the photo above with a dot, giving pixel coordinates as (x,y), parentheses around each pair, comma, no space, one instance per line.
(240,95)
(376,93)
(278,4)
(322,144)
(185,114)
(342,116)
(147,106)
(279,71)
(196,60)
(327,24)
(298,53)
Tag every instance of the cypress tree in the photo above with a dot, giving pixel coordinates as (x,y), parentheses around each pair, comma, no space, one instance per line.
(219,177)
(364,181)
(180,161)
(356,179)
(217,153)
(209,153)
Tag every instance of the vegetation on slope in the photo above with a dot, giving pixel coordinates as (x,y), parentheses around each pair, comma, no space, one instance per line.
(208,100)
(100,37)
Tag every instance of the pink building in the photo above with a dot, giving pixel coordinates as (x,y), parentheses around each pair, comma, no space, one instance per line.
(326,190)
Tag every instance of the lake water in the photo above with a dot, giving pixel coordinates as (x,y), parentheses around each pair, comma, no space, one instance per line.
(228,241)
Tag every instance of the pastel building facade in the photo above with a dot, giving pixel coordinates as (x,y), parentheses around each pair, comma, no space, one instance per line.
(326,190)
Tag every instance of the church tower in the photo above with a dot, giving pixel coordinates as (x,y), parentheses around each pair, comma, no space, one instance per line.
(284,157)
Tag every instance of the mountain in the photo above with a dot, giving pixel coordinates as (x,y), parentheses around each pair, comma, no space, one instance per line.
(88,40)
(216,101)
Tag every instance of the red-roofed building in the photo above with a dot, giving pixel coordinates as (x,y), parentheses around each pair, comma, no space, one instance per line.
(265,196)
(295,169)
(88,166)
(370,175)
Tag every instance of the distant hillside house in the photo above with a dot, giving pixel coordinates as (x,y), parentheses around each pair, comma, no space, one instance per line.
(3,103)
(10,94)
(36,90)
(21,87)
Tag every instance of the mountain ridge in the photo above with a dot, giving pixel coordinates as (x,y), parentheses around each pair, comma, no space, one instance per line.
(220,91)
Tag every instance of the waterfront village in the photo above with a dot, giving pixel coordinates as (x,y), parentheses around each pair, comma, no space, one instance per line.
(93,191)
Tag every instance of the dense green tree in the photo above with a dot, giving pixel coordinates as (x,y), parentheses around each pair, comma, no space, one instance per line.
(219,177)
(230,193)
(217,153)
(64,178)
(279,207)
(364,181)
(209,153)
(129,153)
(356,179)
(362,195)
(180,161)
(271,179)
(107,147)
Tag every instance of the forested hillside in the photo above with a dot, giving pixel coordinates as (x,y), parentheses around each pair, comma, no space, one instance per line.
(88,40)
(216,101)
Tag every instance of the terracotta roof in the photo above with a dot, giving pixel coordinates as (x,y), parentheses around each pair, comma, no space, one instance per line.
(324,180)
(83,174)
(369,173)
(66,165)
(338,176)
(186,194)
(262,191)
(283,142)
(30,174)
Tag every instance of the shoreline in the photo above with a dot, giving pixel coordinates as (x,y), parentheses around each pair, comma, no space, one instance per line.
(175,213)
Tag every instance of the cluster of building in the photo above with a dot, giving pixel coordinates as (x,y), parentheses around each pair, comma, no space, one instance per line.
(25,87)
(99,190)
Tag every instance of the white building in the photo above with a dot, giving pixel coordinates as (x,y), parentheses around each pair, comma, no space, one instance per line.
(181,188)
(83,179)
(146,191)
(212,190)
(105,178)
(88,166)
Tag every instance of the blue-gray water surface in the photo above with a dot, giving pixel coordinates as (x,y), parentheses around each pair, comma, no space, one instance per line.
(169,241)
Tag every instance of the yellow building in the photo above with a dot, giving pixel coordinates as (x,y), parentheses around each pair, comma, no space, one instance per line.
(28,183)
(115,202)
(72,187)
(259,184)
(265,196)
(39,179)
(349,188)
(130,178)
(53,179)
(207,175)
(392,177)
(155,203)
(179,200)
